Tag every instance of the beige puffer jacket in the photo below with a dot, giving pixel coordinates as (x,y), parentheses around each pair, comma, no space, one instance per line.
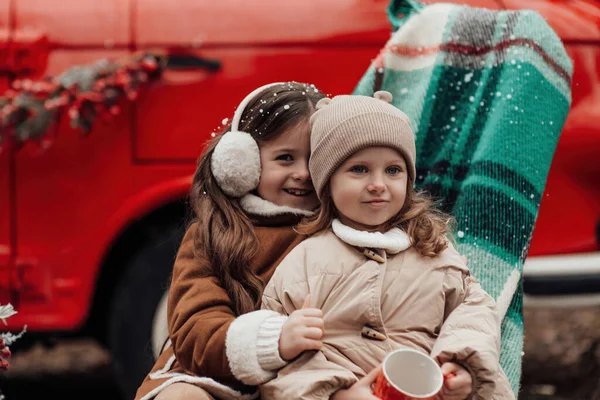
(380,287)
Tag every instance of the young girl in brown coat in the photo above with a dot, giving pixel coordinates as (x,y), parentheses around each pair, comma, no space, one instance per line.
(250,188)
(379,267)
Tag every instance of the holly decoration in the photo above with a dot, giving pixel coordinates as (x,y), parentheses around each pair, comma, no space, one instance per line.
(6,339)
(29,109)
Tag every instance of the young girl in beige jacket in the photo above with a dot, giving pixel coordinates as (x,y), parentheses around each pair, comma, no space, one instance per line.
(379,266)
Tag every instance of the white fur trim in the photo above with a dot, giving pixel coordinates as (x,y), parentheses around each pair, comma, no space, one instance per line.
(267,345)
(164,369)
(235,163)
(393,241)
(242,350)
(258,206)
(510,287)
(210,385)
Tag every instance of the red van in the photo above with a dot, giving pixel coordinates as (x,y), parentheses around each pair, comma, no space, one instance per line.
(89,227)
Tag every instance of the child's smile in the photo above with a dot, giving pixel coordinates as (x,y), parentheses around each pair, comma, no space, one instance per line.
(298,192)
(285,179)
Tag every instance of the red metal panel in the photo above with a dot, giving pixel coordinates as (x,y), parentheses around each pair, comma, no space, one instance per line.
(256,43)
(5,219)
(6,250)
(195,23)
(571,204)
(178,116)
(575,20)
(66,200)
(104,24)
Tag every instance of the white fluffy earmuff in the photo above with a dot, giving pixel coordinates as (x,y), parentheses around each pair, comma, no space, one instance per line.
(235,162)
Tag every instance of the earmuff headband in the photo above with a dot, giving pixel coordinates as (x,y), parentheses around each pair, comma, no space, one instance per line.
(235,162)
(237,116)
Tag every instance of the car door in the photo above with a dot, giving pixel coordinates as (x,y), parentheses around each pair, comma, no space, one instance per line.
(238,46)
(6,164)
(57,208)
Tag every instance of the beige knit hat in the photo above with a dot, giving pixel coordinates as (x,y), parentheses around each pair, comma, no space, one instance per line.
(346,124)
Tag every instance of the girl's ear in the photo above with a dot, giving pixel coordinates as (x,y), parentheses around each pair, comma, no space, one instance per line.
(383,95)
(322,103)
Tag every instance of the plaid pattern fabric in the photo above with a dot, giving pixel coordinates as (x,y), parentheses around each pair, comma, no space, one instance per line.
(487,93)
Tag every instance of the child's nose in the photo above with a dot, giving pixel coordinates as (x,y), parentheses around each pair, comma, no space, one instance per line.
(376,185)
(301,174)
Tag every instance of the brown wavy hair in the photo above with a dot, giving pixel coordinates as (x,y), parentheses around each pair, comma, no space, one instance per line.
(225,235)
(428,227)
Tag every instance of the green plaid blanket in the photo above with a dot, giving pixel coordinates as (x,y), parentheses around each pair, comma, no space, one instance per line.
(487,93)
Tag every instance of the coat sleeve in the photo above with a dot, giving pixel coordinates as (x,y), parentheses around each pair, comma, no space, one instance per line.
(470,334)
(201,322)
(311,375)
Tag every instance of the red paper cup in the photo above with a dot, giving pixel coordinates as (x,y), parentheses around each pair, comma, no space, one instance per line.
(408,375)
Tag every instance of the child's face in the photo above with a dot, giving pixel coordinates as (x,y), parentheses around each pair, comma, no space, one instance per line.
(284,179)
(369,188)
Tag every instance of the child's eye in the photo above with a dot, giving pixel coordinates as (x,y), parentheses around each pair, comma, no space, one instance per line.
(285,157)
(394,170)
(359,169)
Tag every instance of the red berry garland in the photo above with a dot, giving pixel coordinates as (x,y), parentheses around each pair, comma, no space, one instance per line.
(30,108)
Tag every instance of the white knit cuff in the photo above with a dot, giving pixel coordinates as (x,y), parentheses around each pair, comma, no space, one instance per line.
(241,347)
(267,345)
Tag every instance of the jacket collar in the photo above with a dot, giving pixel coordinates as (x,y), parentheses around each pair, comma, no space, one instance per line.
(255,205)
(393,241)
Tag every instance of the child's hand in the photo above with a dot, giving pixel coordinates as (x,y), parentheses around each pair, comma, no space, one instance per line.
(302,331)
(457,387)
(361,390)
